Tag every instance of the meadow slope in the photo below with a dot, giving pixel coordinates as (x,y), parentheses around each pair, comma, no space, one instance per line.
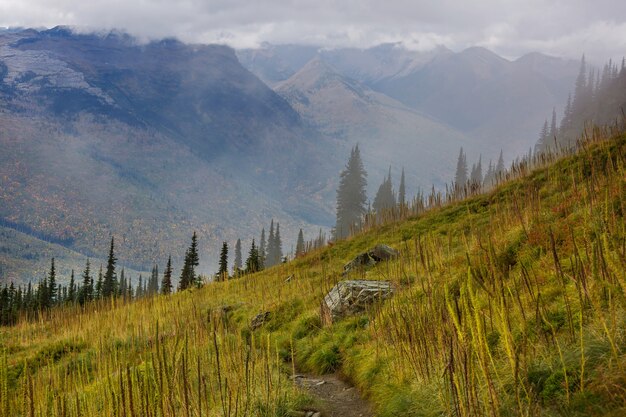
(508,303)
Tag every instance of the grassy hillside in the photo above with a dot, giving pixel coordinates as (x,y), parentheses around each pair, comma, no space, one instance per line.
(510,303)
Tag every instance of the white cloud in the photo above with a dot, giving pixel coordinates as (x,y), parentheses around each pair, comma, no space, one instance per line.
(509,27)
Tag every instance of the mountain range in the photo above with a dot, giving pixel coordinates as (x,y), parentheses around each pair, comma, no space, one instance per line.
(102,136)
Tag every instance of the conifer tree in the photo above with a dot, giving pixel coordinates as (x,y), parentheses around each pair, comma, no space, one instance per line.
(300,244)
(71,290)
(166,284)
(99,283)
(351,197)
(277,256)
(460,177)
(185,274)
(223,264)
(52,285)
(139,291)
(476,176)
(194,260)
(238,264)
(385,198)
(262,249)
(252,263)
(86,289)
(109,285)
(271,247)
(544,138)
(402,191)
(500,170)
(122,284)
(553,128)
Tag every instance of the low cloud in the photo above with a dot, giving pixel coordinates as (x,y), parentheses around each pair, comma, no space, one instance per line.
(508,27)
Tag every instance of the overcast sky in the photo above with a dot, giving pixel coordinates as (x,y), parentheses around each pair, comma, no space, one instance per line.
(511,28)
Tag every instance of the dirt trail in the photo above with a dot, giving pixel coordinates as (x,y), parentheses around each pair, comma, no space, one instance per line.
(333,397)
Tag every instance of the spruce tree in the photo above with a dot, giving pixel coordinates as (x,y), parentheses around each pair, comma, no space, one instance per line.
(278,247)
(476,176)
(109,285)
(351,197)
(402,192)
(238,264)
(185,280)
(385,198)
(71,290)
(271,247)
(86,289)
(99,283)
(262,251)
(500,170)
(223,264)
(166,284)
(194,260)
(252,263)
(460,177)
(52,285)
(300,244)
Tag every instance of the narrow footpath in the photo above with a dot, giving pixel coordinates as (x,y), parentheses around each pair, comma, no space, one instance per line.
(333,397)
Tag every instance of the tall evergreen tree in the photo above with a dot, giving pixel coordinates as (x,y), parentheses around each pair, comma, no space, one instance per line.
(52,285)
(86,288)
(223,264)
(351,197)
(300,244)
(252,263)
(194,260)
(385,198)
(543,142)
(185,280)
(166,284)
(262,249)
(554,130)
(476,176)
(71,289)
(277,256)
(402,191)
(109,285)
(500,170)
(271,247)
(99,283)
(460,177)
(238,264)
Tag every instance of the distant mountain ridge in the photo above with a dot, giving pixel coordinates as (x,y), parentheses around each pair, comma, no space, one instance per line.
(102,136)
(496,101)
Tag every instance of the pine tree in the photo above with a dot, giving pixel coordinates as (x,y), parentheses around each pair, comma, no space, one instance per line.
(166,284)
(185,274)
(402,192)
(262,251)
(194,260)
(460,177)
(553,128)
(271,247)
(139,291)
(476,176)
(238,264)
(351,197)
(52,285)
(86,289)
(543,142)
(385,198)
(223,264)
(71,291)
(278,247)
(109,285)
(252,263)
(500,170)
(99,283)
(121,291)
(300,244)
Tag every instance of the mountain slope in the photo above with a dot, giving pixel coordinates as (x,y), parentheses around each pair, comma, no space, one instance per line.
(102,136)
(507,303)
(388,132)
(485,95)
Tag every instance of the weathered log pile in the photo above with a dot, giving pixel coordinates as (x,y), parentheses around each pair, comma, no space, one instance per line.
(352,297)
(370,258)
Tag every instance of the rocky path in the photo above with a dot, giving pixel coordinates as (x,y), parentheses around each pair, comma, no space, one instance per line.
(333,397)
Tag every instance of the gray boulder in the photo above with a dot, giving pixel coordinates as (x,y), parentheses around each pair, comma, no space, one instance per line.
(259,320)
(352,297)
(370,258)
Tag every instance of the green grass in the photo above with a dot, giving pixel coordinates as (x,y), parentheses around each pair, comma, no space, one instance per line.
(508,303)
